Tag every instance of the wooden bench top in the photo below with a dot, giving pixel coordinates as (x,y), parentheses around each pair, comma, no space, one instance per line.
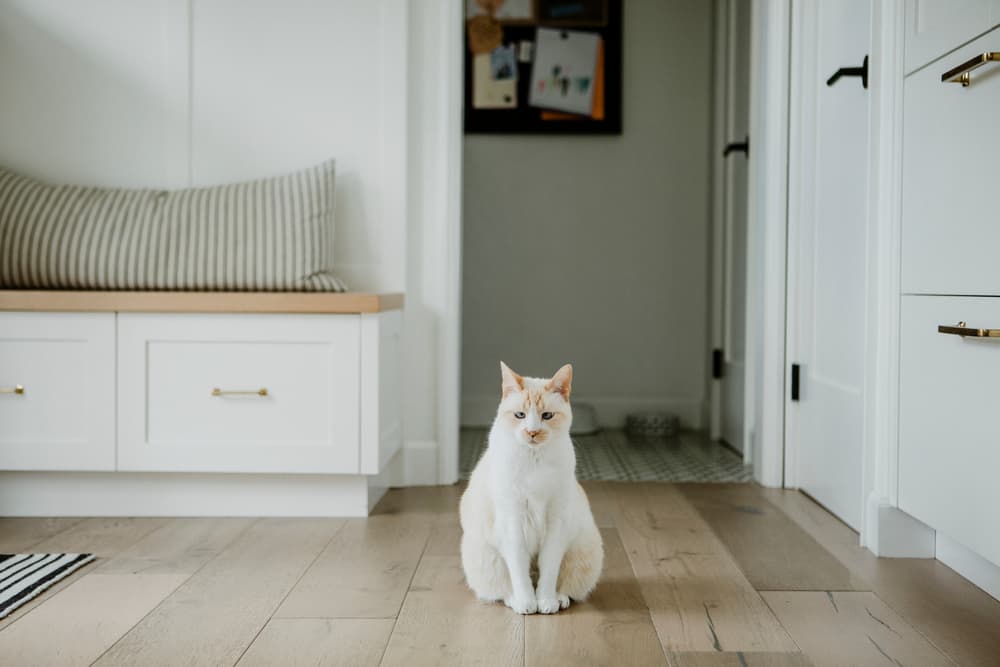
(199,302)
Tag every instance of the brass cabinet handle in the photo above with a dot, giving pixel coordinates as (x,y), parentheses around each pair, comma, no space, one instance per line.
(962,329)
(961,74)
(255,392)
(16,389)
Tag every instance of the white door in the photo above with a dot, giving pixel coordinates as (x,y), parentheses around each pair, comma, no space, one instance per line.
(826,272)
(731,221)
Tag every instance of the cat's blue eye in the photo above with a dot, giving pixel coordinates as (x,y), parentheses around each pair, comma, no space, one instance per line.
(547,415)
(519,415)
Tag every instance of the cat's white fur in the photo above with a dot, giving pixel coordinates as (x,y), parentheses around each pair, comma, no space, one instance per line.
(524,509)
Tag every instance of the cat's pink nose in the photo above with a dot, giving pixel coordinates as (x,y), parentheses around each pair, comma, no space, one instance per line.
(532,434)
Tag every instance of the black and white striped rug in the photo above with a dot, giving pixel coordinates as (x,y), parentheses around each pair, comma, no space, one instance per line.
(23,576)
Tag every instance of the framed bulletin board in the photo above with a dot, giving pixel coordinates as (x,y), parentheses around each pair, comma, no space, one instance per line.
(543,67)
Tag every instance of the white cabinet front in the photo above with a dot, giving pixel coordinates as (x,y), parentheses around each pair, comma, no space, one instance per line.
(951,145)
(936,27)
(57,391)
(949,429)
(239,393)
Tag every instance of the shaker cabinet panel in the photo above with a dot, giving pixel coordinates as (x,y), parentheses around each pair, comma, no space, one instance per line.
(950,206)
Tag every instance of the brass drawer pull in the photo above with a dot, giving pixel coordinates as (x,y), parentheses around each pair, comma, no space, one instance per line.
(961,74)
(961,329)
(255,392)
(16,389)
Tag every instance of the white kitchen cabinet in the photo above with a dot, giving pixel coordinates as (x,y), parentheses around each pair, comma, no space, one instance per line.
(951,144)
(57,391)
(949,432)
(239,393)
(936,27)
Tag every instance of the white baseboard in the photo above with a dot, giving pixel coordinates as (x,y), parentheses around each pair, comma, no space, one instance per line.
(416,464)
(892,533)
(969,564)
(611,410)
(184,494)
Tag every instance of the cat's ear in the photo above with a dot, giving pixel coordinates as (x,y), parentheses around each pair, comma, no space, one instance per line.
(562,380)
(510,381)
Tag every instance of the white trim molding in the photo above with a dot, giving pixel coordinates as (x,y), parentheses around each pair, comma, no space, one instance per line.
(969,564)
(892,533)
(766,239)
(881,411)
(187,494)
(434,242)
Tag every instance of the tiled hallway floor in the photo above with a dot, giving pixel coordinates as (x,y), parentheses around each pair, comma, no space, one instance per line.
(614,456)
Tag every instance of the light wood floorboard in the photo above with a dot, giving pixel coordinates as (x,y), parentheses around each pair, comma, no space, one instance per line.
(441,622)
(103,537)
(716,659)
(182,546)
(677,588)
(364,572)
(612,627)
(697,596)
(851,628)
(21,534)
(84,619)
(215,615)
(333,642)
(602,504)
(951,612)
(773,552)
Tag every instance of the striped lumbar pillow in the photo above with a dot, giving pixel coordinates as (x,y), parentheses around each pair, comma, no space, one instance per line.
(273,234)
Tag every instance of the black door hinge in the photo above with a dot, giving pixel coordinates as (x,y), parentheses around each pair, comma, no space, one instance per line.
(717,359)
(795,382)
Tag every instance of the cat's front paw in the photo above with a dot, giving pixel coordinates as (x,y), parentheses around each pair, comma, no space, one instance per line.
(522,605)
(549,605)
(552,605)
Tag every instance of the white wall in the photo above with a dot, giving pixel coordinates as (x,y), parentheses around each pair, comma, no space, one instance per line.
(171,93)
(594,250)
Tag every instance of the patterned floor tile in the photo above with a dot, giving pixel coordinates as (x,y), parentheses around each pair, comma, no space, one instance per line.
(613,455)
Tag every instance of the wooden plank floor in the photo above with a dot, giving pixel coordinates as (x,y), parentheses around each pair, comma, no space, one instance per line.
(695,575)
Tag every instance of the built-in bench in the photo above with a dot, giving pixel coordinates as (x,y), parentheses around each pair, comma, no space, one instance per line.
(197,403)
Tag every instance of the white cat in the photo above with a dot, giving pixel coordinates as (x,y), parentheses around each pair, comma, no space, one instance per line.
(524,506)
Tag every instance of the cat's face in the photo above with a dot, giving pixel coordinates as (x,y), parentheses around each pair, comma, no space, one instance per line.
(533,410)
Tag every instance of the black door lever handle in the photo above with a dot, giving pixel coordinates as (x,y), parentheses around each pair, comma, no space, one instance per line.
(851,71)
(743,146)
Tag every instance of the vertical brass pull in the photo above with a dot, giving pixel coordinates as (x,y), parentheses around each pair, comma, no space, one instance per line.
(962,73)
(16,389)
(232,392)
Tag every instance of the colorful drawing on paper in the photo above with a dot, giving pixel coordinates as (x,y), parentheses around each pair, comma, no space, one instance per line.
(564,70)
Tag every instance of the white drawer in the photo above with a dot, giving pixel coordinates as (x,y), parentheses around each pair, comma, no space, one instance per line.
(951,145)
(949,430)
(307,421)
(65,417)
(935,27)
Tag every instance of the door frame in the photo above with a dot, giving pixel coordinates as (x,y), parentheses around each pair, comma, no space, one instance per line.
(720,138)
(767,215)
(880,395)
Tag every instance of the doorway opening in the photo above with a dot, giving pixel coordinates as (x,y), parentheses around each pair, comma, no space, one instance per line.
(623,255)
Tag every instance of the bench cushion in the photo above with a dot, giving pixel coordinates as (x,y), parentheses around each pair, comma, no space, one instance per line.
(273,234)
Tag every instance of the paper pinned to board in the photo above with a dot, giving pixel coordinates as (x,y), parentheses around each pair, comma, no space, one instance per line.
(494,79)
(564,74)
(597,108)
